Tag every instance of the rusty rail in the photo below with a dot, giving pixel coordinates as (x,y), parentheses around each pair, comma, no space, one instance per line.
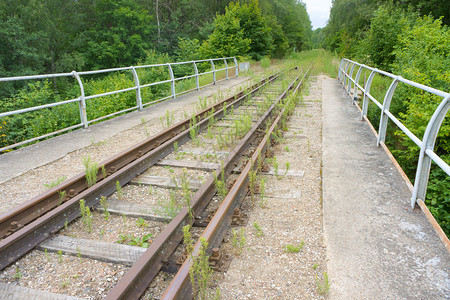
(138,159)
(136,280)
(180,287)
(25,213)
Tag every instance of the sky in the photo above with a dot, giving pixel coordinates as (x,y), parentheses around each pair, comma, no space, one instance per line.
(319,11)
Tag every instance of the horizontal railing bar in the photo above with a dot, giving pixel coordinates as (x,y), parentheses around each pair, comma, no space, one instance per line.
(185,77)
(441,163)
(111,93)
(155,83)
(411,135)
(401,79)
(35,77)
(30,109)
(380,106)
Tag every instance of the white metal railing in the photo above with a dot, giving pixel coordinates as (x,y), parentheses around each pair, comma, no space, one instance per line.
(137,87)
(426,145)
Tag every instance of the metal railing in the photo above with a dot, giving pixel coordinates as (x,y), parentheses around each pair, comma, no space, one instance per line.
(426,145)
(137,87)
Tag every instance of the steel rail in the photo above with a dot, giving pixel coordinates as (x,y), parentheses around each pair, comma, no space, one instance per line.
(136,280)
(123,168)
(40,204)
(180,287)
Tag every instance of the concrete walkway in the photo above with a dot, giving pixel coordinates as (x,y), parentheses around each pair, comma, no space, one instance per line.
(377,247)
(17,162)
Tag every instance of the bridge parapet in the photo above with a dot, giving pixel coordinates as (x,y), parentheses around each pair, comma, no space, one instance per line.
(81,100)
(426,145)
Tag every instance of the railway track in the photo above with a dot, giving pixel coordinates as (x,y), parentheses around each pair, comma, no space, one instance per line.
(200,169)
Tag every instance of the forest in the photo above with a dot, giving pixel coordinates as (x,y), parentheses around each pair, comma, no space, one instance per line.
(406,37)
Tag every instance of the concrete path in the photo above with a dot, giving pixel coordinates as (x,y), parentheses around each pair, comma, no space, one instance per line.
(17,162)
(377,247)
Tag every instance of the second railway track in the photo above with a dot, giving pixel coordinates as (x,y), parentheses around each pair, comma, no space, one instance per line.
(199,168)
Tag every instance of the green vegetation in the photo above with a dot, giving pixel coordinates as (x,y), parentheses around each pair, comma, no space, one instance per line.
(56,182)
(86,215)
(291,248)
(104,205)
(131,240)
(258,229)
(238,240)
(323,286)
(200,272)
(91,170)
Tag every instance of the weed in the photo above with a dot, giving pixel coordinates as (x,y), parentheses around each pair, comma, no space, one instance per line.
(291,248)
(288,166)
(150,190)
(91,169)
(141,223)
(262,192)
(168,206)
(60,256)
(79,253)
(200,272)
(258,229)
(135,241)
(167,120)
(18,274)
(104,205)
(46,255)
(275,167)
(140,241)
(252,181)
(103,171)
(86,215)
(323,286)
(119,190)
(56,182)
(66,225)
(62,195)
(175,147)
(315,266)
(220,184)
(186,192)
(238,240)
(287,149)
(193,131)
(65,284)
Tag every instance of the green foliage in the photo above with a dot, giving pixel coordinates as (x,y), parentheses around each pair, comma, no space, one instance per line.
(388,22)
(127,38)
(423,55)
(227,38)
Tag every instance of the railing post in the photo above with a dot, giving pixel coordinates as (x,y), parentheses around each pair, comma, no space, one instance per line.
(386,104)
(172,77)
(226,68)
(349,85)
(138,88)
(345,81)
(429,139)
(340,70)
(82,102)
(197,81)
(355,91)
(214,71)
(365,105)
(236,65)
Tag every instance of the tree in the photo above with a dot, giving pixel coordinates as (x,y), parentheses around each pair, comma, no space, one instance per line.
(227,38)
(119,35)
